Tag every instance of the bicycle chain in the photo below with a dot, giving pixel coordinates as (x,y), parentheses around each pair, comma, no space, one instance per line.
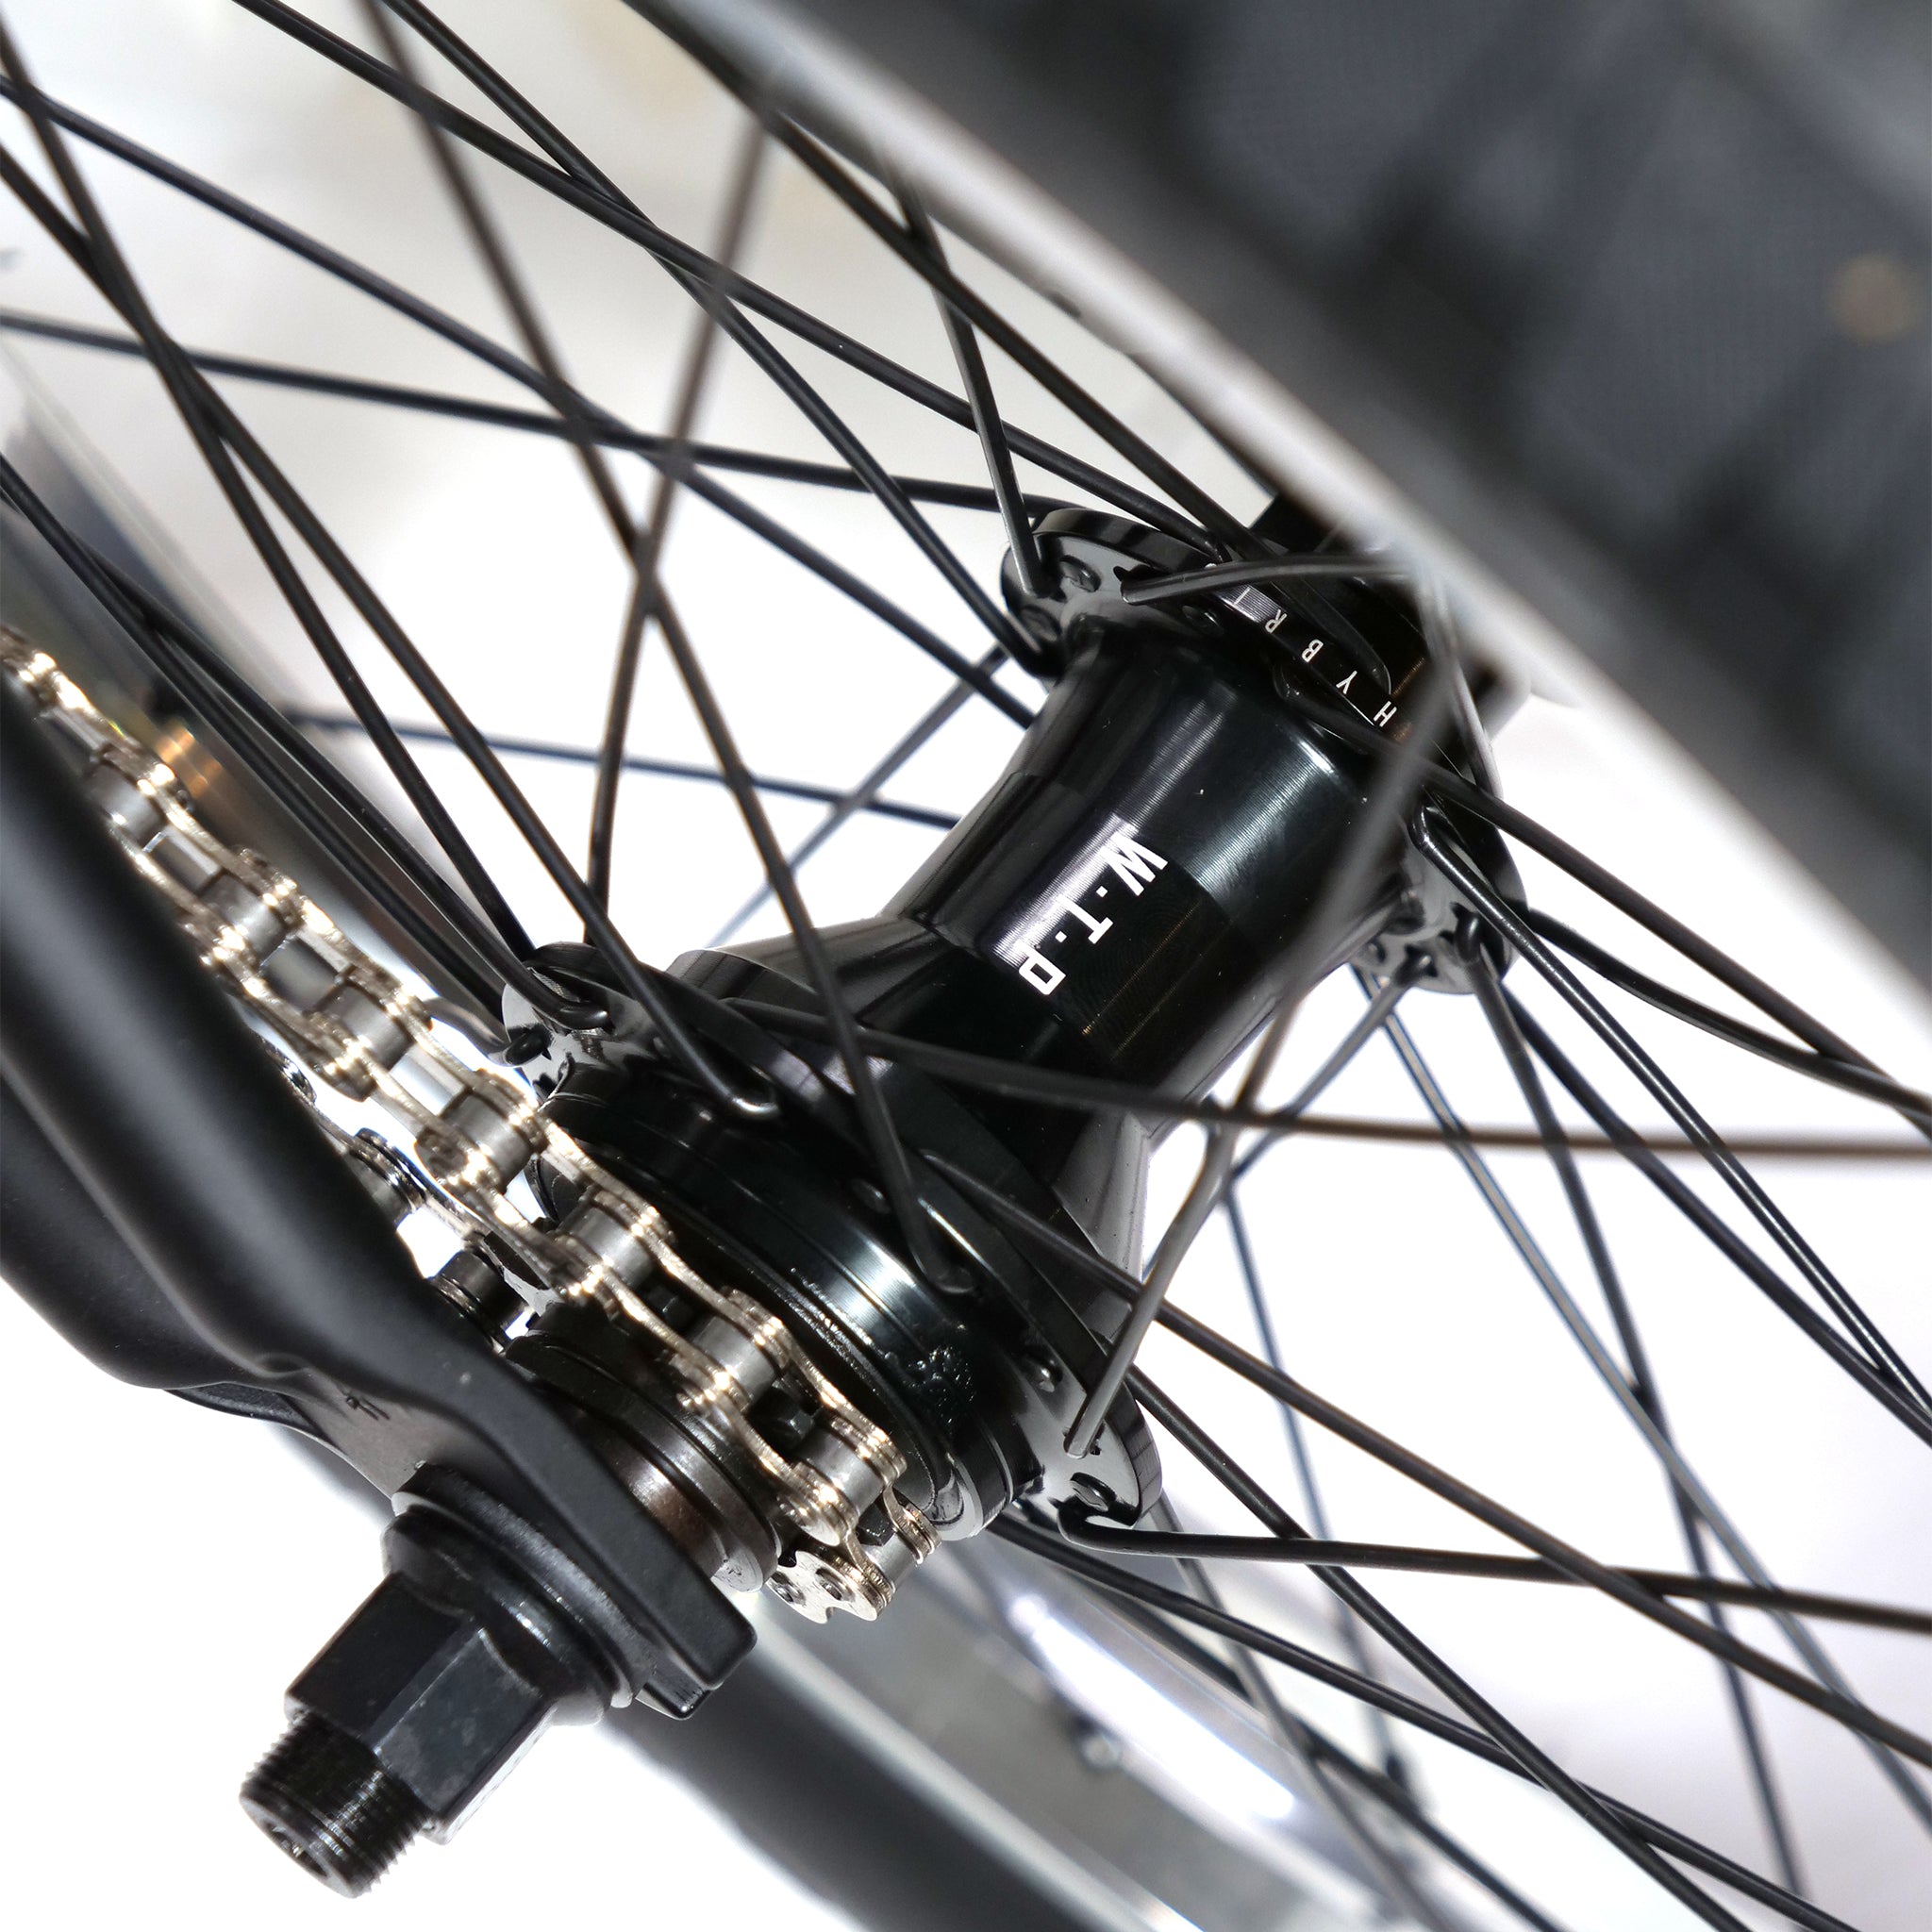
(354,1026)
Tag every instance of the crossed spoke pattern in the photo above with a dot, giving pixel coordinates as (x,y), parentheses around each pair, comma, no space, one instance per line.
(471,942)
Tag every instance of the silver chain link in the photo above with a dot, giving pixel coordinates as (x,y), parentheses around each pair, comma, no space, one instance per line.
(354,1026)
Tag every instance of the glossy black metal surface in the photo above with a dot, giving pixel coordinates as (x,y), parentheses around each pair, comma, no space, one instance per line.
(1122,903)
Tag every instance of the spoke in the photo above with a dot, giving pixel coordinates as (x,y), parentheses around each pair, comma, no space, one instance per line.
(608,435)
(714,286)
(1816,1066)
(862,594)
(903,511)
(1443,637)
(864,796)
(1635,1391)
(608,207)
(1390,1792)
(1625,1140)
(1283,1388)
(1401,1891)
(218,432)
(647,544)
(1352,1042)
(320,799)
(1386,1790)
(994,444)
(1419,1656)
(1411,1711)
(1088,1532)
(1432,837)
(201,413)
(498,358)
(1457,789)
(1265,570)
(1347,1624)
(649,767)
(1051,1086)
(487,239)
(1694,1499)
(972,308)
(1349,881)
(713,456)
(894,1175)
(493,87)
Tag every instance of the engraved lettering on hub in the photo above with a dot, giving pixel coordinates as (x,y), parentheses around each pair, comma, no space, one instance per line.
(1132,860)
(1119,853)
(1097,929)
(1039,972)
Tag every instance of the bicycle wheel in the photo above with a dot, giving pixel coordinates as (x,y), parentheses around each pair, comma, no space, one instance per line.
(828,1244)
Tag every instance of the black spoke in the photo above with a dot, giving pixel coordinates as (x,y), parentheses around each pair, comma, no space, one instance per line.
(1088,1532)
(493,250)
(1051,1086)
(1457,789)
(972,308)
(1635,1388)
(1815,1066)
(643,544)
(900,508)
(864,796)
(895,1175)
(766,527)
(994,444)
(646,766)
(324,801)
(1359,1035)
(1629,1383)
(1389,1792)
(605,204)
(217,432)
(1266,570)
(1694,1505)
(1284,1388)
(606,433)
(1398,1704)
(1626,1142)
(1401,1891)
(1347,1623)
(498,416)
(201,413)
(1350,877)
(862,594)
(1420,1657)
(1385,1789)
(646,543)
(1440,846)
(706,280)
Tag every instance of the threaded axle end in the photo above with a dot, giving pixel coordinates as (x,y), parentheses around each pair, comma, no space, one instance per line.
(327,1802)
